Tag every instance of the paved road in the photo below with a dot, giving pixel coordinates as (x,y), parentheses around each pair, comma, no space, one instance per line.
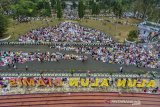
(64,65)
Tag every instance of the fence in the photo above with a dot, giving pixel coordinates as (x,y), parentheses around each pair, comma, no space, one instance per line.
(51,43)
(105,75)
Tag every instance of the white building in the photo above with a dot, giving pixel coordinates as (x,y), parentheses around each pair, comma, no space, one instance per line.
(148,30)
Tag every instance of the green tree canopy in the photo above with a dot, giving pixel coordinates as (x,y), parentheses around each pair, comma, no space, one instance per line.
(24,8)
(43,7)
(132,35)
(31,8)
(53,3)
(81,9)
(3,25)
(118,8)
(74,4)
(149,9)
(95,8)
(59,9)
(5,5)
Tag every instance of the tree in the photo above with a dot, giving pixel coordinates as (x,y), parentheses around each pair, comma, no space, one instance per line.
(146,8)
(63,5)
(24,8)
(74,4)
(81,9)
(44,8)
(59,9)
(90,4)
(3,25)
(118,8)
(106,5)
(72,71)
(5,5)
(95,8)
(132,35)
(53,3)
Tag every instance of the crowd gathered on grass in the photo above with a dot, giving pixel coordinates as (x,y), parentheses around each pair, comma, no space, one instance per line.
(65,32)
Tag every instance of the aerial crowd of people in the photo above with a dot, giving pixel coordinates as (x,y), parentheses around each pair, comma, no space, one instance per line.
(65,32)
(70,14)
(114,53)
(120,54)
(11,58)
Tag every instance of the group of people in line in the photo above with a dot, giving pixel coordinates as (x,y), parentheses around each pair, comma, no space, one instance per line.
(11,58)
(120,54)
(113,54)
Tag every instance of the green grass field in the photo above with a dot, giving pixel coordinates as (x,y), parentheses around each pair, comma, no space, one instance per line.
(15,30)
(119,32)
(129,20)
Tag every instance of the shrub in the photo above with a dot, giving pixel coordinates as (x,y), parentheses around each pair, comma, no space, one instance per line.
(132,35)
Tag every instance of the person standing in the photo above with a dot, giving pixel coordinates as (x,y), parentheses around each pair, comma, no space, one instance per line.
(14,66)
(121,69)
(26,68)
(8,65)
(88,73)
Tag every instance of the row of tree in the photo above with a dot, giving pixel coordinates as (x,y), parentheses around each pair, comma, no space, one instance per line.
(21,9)
(30,8)
(149,9)
(145,9)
